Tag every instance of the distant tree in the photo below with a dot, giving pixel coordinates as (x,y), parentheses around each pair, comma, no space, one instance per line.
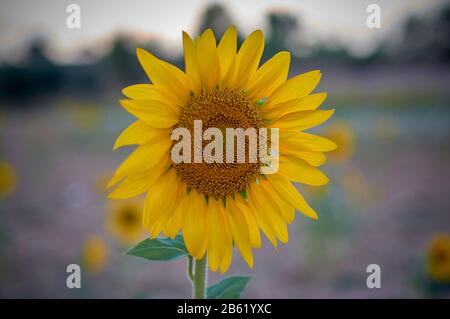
(284,33)
(217,18)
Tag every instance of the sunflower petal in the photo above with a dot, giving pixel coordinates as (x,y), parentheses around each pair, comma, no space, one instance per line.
(142,158)
(190,61)
(270,76)
(247,59)
(151,92)
(157,201)
(135,185)
(194,223)
(226,50)
(239,231)
(295,88)
(313,158)
(260,209)
(301,141)
(307,103)
(302,120)
(253,228)
(139,133)
(154,113)
(164,75)
(268,210)
(208,60)
(300,171)
(286,190)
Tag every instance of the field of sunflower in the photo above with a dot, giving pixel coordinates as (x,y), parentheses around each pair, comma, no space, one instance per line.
(379,198)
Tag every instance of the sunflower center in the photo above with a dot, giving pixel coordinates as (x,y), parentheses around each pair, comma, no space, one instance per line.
(128,217)
(222,109)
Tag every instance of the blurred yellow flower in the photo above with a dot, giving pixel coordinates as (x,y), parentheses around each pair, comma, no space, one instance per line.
(342,134)
(8,179)
(438,259)
(124,221)
(94,254)
(100,184)
(212,204)
(355,186)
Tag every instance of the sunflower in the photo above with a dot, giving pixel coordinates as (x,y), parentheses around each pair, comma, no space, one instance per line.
(94,254)
(341,133)
(125,221)
(8,179)
(217,205)
(438,259)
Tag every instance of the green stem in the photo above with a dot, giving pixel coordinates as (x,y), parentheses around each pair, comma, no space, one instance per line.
(200,278)
(190,270)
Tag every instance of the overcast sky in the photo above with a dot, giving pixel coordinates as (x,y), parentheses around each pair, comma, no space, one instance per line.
(343,20)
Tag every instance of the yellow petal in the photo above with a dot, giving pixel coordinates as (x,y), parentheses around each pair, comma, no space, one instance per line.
(247,59)
(300,171)
(194,223)
(139,133)
(154,113)
(174,223)
(226,50)
(136,184)
(286,190)
(259,207)
(191,64)
(253,229)
(142,158)
(268,211)
(313,158)
(287,211)
(227,242)
(217,237)
(309,102)
(151,92)
(270,76)
(239,231)
(208,60)
(164,75)
(302,120)
(295,88)
(301,141)
(158,200)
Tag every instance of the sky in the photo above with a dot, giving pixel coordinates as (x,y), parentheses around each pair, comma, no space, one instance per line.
(322,20)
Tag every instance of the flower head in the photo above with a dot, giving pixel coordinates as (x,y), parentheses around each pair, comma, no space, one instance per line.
(8,179)
(94,254)
(342,134)
(438,259)
(125,221)
(216,205)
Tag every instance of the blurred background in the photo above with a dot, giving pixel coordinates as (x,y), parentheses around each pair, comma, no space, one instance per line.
(387,202)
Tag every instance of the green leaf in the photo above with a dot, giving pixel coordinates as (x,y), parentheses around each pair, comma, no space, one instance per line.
(160,249)
(228,288)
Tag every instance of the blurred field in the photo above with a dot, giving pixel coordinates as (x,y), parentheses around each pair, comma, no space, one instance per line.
(382,206)
(387,199)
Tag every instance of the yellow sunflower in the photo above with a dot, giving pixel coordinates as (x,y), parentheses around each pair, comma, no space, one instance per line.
(342,134)
(217,205)
(124,221)
(438,259)
(8,179)
(94,254)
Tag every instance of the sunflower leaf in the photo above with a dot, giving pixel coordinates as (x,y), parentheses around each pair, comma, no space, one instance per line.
(228,288)
(160,249)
